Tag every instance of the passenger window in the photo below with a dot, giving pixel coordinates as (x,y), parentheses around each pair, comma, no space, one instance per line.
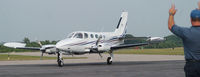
(100,36)
(85,35)
(91,35)
(78,35)
(96,36)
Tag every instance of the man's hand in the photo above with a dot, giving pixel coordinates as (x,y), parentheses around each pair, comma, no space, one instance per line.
(198,5)
(172,10)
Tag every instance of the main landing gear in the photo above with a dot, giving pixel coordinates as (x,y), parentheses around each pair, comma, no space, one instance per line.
(109,59)
(60,59)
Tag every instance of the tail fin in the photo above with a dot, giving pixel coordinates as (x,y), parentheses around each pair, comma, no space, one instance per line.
(121,27)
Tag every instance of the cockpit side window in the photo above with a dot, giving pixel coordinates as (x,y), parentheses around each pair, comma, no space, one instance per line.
(85,35)
(78,35)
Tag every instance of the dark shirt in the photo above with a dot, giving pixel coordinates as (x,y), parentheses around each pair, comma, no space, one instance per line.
(191,40)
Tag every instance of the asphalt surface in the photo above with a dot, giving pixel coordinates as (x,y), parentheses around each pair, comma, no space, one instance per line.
(97,69)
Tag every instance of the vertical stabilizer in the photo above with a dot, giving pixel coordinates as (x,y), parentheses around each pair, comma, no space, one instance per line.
(121,27)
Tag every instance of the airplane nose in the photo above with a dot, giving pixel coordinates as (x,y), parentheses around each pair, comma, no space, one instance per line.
(59,45)
(62,45)
(65,44)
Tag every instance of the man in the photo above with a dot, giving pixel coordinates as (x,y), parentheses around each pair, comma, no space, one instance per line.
(191,41)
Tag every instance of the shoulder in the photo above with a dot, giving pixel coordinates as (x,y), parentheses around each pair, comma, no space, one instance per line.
(179,28)
(179,31)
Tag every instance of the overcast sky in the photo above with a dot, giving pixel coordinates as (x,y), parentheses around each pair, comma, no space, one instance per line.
(55,19)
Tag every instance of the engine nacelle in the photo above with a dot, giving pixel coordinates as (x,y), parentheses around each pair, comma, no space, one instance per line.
(156,39)
(103,48)
(51,51)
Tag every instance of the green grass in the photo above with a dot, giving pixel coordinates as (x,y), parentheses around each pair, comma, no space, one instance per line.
(4,57)
(166,51)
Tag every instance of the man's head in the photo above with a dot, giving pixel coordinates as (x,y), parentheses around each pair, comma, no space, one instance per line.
(195,17)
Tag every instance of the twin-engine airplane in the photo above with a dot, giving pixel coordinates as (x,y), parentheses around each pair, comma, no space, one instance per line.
(82,42)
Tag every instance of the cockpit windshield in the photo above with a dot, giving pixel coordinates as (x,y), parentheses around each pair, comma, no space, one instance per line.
(70,35)
(78,35)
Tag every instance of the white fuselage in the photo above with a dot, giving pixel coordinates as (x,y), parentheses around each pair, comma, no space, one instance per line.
(82,42)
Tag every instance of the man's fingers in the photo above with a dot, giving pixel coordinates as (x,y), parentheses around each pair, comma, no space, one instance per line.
(199,5)
(173,6)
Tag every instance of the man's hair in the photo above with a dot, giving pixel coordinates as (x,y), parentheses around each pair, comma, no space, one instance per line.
(195,15)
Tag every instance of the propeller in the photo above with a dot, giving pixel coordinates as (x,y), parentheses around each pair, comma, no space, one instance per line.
(41,49)
(148,39)
(98,40)
(41,57)
(39,43)
(97,45)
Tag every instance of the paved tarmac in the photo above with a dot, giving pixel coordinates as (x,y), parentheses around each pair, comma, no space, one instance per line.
(171,68)
(91,58)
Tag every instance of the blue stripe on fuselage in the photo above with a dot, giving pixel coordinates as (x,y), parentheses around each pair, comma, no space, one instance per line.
(93,42)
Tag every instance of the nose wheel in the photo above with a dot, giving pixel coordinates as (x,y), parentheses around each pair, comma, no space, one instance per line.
(60,59)
(109,60)
(60,63)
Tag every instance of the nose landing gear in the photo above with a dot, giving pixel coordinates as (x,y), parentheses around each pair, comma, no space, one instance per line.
(60,59)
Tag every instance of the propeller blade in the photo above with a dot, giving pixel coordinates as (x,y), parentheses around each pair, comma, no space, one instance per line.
(100,55)
(39,43)
(41,57)
(98,40)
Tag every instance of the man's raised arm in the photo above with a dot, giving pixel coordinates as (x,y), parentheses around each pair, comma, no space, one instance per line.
(172,12)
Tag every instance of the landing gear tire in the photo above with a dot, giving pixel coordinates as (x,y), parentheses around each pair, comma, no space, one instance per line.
(60,59)
(109,61)
(60,63)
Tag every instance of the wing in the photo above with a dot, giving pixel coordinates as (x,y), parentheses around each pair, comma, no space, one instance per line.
(29,48)
(128,45)
(19,46)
